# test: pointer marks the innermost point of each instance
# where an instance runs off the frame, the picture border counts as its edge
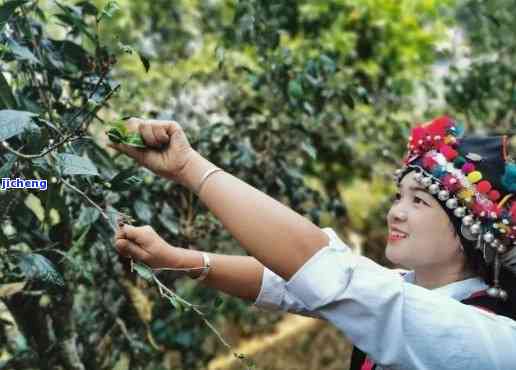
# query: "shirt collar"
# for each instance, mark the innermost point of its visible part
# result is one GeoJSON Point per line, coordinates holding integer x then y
{"type": "Point", "coordinates": [458, 290]}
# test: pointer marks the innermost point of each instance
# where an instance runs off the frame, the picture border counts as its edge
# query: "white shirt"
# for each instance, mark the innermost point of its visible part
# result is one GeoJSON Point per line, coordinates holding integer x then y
{"type": "Point", "coordinates": [399, 325]}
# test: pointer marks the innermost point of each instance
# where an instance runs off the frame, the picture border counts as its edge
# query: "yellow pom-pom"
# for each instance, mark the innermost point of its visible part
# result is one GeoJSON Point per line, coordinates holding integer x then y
{"type": "Point", "coordinates": [465, 195]}
{"type": "Point", "coordinates": [474, 177]}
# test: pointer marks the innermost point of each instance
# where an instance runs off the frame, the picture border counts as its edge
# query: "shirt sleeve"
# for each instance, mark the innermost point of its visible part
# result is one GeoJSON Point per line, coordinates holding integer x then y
{"type": "Point", "coordinates": [399, 325]}
{"type": "Point", "coordinates": [274, 296]}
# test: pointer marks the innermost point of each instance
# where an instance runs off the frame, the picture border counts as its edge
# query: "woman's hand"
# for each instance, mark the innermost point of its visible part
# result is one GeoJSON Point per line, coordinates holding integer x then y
{"type": "Point", "coordinates": [145, 245]}
{"type": "Point", "coordinates": [170, 150]}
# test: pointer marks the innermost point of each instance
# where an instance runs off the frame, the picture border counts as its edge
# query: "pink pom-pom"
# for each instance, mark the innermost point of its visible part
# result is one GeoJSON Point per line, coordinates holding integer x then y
{"type": "Point", "coordinates": [428, 162]}
{"type": "Point", "coordinates": [448, 152]}
{"type": "Point", "coordinates": [494, 195]}
{"type": "Point", "coordinates": [468, 167]}
{"type": "Point", "coordinates": [484, 186]}
{"type": "Point", "coordinates": [451, 183]}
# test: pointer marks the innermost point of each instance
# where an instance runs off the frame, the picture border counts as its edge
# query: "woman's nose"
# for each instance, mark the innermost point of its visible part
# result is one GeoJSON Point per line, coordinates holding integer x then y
{"type": "Point", "coordinates": [396, 213]}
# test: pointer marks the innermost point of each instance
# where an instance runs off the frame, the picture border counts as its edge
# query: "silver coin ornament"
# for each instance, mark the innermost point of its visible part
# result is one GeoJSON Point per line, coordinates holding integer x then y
{"type": "Point", "coordinates": [493, 292]}
{"type": "Point", "coordinates": [434, 189]}
{"type": "Point", "coordinates": [468, 220]}
{"type": "Point", "coordinates": [501, 249]}
{"type": "Point", "coordinates": [460, 212]}
{"type": "Point", "coordinates": [488, 237]}
{"type": "Point", "coordinates": [443, 195]}
{"type": "Point", "coordinates": [426, 181]}
{"type": "Point", "coordinates": [452, 203]}
{"type": "Point", "coordinates": [502, 294]}
{"type": "Point", "coordinates": [476, 229]}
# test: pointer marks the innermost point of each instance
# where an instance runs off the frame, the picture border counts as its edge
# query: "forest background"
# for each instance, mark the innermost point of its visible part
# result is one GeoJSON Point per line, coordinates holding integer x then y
{"type": "Point", "coordinates": [309, 101]}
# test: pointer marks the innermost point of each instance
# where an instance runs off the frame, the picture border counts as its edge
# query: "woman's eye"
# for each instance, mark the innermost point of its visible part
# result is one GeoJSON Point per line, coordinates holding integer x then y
{"type": "Point", "coordinates": [418, 200]}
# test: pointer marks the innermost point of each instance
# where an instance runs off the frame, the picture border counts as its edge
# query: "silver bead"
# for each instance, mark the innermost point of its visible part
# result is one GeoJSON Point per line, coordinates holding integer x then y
{"type": "Point", "coordinates": [476, 229]}
{"type": "Point", "coordinates": [493, 292]}
{"type": "Point", "coordinates": [452, 203]}
{"type": "Point", "coordinates": [501, 249]}
{"type": "Point", "coordinates": [460, 212]}
{"type": "Point", "coordinates": [443, 195]}
{"type": "Point", "coordinates": [488, 237]}
{"type": "Point", "coordinates": [495, 244]}
{"type": "Point", "coordinates": [502, 294]}
{"type": "Point", "coordinates": [426, 182]}
{"type": "Point", "coordinates": [468, 220]}
{"type": "Point", "coordinates": [433, 189]}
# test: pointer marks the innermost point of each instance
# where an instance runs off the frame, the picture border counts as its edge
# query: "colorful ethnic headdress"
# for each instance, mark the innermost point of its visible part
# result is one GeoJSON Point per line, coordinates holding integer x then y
{"type": "Point", "coordinates": [474, 178]}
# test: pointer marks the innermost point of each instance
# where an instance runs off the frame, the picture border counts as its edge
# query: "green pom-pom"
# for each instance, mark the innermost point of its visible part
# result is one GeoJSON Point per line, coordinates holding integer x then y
{"type": "Point", "coordinates": [459, 162]}
{"type": "Point", "coordinates": [509, 178]}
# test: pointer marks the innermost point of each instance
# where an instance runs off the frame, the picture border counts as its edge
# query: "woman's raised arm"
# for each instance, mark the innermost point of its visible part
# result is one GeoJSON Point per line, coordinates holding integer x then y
{"type": "Point", "coordinates": [278, 237]}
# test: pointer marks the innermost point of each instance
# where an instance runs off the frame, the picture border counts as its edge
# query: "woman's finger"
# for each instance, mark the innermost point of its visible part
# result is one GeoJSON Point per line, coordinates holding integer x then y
{"type": "Point", "coordinates": [132, 152]}
{"type": "Point", "coordinates": [131, 250]}
{"type": "Point", "coordinates": [148, 134]}
{"type": "Point", "coordinates": [160, 133]}
{"type": "Point", "coordinates": [137, 234]}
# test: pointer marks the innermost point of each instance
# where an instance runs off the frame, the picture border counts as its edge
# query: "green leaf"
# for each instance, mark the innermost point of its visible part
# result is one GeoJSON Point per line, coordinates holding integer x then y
{"type": "Point", "coordinates": [7, 99]}
{"type": "Point", "coordinates": [37, 267]}
{"type": "Point", "coordinates": [72, 164]}
{"type": "Point", "coordinates": [125, 180]}
{"type": "Point", "coordinates": [5, 170]}
{"type": "Point", "coordinates": [144, 271]}
{"type": "Point", "coordinates": [145, 61]}
{"type": "Point", "coordinates": [22, 52]}
{"type": "Point", "coordinates": [295, 89]}
{"type": "Point", "coordinates": [143, 211]}
{"type": "Point", "coordinates": [88, 216]}
{"type": "Point", "coordinates": [7, 9]}
{"type": "Point", "coordinates": [309, 149]}
{"type": "Point", "coordinates": [13, 122]}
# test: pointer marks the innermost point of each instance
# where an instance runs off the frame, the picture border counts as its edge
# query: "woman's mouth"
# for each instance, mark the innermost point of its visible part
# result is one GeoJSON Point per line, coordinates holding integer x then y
{"type": "Point", "coordinates": [395, 236]}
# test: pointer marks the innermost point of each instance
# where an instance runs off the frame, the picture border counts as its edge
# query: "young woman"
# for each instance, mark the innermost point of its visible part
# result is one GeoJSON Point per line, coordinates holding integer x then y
{"type": "Point", "coordinates": [453, 225]}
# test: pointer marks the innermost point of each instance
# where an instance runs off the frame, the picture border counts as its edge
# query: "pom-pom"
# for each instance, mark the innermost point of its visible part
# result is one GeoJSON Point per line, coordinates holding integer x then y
{"type": "Point", "coordinates": [451, 183]}
{"type": "Point", "coordinates": [468, 167]}
{"type": "Point", "coordinates": [484, 186]}
{"type": "Point", "coordinates": [509, 178]}
{"type": "Point", "coordinates": [439, 171]}
{"type": "Point", "coordinates": [429, 162]}
{"type": "Point", "coordinates": [459, 162]}
{"type": "Point", "coordinates": [448, 152]}
{"type": "Point", "coordinates": [474, 177]}
{"type": "Point", "coordinates": [512, 211]}
{"type": "Point", "coordinates": [417, 134]}
{"type": "Point", "coordinates": [465, 195]}
{"type": "Point", "coordinates": [439, 126]}
{"type": "Point", "coordinates": [494, 195]}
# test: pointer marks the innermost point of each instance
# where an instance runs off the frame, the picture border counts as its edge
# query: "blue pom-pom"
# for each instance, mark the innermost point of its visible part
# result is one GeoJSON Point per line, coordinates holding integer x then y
{"type": "Point", "coordinates": [439, 171]}
{"type": "Point", "coordinates": [509, 178]}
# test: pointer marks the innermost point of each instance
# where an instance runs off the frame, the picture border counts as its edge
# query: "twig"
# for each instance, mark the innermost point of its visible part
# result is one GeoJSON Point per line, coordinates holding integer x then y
{"type": "Point", "coordinates": [87, 198]}
{"type": "Point", "coordinates": [66, 139]}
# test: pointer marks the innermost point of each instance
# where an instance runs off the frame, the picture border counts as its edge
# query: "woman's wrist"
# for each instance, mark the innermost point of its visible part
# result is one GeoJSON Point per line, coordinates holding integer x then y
{"type": "Point", "coordinates": [194, 171]}
{"type": "Point", "coordinates": [191, 259]}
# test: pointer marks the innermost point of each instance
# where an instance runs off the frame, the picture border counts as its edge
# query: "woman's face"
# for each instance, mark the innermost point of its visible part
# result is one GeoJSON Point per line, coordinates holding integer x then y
{"type": "Point", "coordinates": [421, 235]}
